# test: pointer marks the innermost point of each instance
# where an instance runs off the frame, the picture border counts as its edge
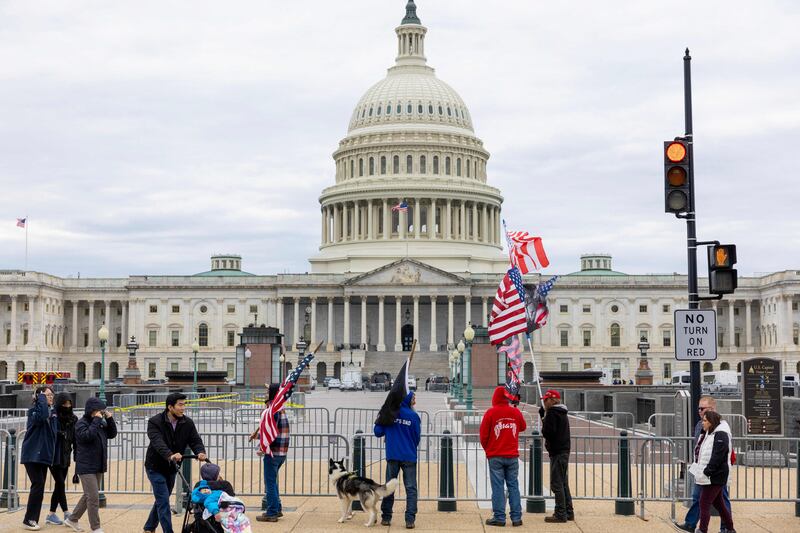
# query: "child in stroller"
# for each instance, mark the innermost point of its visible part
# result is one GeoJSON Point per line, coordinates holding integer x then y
{"type": "Point", "coordinates": [215, 508]}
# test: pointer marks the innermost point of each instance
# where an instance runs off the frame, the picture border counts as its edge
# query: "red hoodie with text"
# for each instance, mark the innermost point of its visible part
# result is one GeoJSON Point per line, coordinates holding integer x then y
{"type": "Point", "coordinates": [501, 427]}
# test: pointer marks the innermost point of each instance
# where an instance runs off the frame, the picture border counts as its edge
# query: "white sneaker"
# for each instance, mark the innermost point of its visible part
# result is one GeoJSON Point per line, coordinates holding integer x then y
{"type": "Point", "coordinates": [71, 524]}
{"type": "Point", "coordinates": [31, 525]}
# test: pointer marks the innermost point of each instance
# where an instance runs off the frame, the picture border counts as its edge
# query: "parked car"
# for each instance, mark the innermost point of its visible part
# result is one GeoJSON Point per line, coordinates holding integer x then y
{"type": "Point", "coordinates": [439, 384]}
{"type": "Point", "coordinates": [334, 383]}
{"type": "Point", "coordinates": [380, 381]}
{"type": "Point", "coordinates": [412, 383]}
{"type": "Point", "coordinates": [352, 380]}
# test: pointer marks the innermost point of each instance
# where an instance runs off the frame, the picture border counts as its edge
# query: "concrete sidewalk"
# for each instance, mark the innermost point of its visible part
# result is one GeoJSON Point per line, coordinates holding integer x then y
{"type": "Point", "coordinates": [126, 514]}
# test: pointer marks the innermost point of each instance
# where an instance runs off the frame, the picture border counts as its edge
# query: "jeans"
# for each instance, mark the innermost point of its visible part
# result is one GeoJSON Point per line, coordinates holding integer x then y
{"type": "Point", "coordinates": [409, 482]}
{"type": "Point", "coordinates": [90, 501]}
{"type": "Point", "coordinates": [559, 485]}
{"type": "Point", "coordinates": [693, 514]}
{"type": "Point", "coordinates": [504, 472]}
{"type": "Point", "coordinates": [37, 473]}
{"type": "Point", "coordinates": [59, 497]}
{"type": "Point", "coordinates": [271, 466]}
{"type": "Point", "coordinates": [712, 494]}
{"type": "Point", "coordinates": [160, 513]}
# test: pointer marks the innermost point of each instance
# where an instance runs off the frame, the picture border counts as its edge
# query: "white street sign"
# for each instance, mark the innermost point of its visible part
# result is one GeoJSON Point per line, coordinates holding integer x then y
{"type": "Point", "coordinates": [695, 335]}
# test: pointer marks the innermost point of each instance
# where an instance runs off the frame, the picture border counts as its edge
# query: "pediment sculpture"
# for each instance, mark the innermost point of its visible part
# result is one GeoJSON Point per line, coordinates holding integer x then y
{"type": "Point", "coordinates": [405, 274]}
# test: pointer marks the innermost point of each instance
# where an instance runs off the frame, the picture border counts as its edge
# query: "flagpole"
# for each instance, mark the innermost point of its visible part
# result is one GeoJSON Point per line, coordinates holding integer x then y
{"type": "Point", "coordinates": [27, 222]}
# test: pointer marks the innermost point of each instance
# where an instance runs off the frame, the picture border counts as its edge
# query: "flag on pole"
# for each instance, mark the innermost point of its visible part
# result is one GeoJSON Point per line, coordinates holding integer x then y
{"type": "Point", "coordinates": [21, 222]}
{"type": "Point", "coordinates": [268, 427]}
{"type": "Point", "coordinates": [538, 313]}
{"type": "Point", "coordinates": [391, 406]}
{"type": "Point", "coordinates": [526, 252]}
{"type": "Point", "coordinates": [513, 353]}
{"type": "Point", "coordinates": [508, 310]}
{"type": "Point", "coordinates": [402, 206]}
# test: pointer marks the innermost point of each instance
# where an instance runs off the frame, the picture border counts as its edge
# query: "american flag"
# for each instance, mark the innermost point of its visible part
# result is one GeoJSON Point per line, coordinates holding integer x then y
{"type": "Point", "coordinates": [268, 429]}
{"type": "Point", "coordinates": [21, 222]}
{"type": "Point", "coordinates": [526, 252]}
{"type": "Point", "coordinates": [540, 313]}
{"type": "Point", "coordinates": [402, 206]}
{"type": "Point", "coordinates": [513, 352]}
{"type": "Point", "coordinates": [508, 311]}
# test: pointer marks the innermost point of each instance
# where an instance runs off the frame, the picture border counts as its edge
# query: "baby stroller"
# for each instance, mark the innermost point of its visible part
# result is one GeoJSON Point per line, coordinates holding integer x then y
{"type": "Point", "coordinates": [195, 522]}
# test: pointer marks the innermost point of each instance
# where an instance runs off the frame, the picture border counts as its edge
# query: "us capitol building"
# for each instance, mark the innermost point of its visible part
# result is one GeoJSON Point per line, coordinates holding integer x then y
{"type": "Point", "coordinates": [383, 277]}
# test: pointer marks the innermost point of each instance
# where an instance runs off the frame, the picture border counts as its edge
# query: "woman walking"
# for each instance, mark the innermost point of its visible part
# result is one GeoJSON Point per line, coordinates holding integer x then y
{"type": "Point", "coordinates": [92, 432]}
{"type": "Point", "coordinates": [38, 450]}
{"type": "Point", "coordinates": [65, 445]}
{"type": "Point", "coordinates": [711, 469]}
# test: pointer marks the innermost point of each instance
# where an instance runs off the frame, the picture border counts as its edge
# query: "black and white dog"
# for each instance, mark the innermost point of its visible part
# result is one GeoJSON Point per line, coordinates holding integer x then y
{"type": "Point", "coordinates": [350, 487]}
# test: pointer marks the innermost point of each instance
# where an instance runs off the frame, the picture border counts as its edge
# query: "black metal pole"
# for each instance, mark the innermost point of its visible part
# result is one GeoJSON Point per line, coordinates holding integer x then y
{"type": "Point", "coordinates": [691, 235]}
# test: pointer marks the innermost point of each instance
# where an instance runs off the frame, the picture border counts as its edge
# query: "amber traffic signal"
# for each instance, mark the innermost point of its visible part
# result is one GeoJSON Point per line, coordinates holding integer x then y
{"type": "Point", "coordinates": [676, 177]}
{"type": "Point", "coordinates": [722, 277]}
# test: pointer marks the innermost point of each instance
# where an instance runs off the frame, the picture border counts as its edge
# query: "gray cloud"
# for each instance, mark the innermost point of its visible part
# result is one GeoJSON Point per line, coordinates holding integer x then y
{"type": "Point", "coordinates": [142, 137]}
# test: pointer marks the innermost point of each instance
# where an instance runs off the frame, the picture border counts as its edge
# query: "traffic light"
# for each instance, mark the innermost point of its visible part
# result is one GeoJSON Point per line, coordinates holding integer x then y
{"type": "Point", "coordinates": [676, 177]}
{"type": "Point", "coordinates": [721, 274]}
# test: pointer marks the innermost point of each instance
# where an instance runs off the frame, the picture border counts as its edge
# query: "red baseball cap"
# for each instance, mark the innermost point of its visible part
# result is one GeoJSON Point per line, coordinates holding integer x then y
{"type": "Point", "coordinates": [551, 394]}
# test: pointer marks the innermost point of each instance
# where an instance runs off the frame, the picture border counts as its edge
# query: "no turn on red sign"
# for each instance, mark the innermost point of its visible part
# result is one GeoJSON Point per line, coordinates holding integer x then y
{"type": "Point", "coordinates": [695, 335]}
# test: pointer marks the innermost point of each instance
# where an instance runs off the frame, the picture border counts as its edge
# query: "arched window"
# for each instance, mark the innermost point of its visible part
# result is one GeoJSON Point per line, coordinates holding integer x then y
{"type": "Point", "coordinates": [396, 165]}
{"type": "Point", "coordinates": [360, 167]}
{"type": "Point", "coordinates": [322, 370]}
{"type": "Point", "coordinates": [440, 110]}
{"type": "Point", "coordinates": [370, 111]}
{"type": "Point", "coordinates": [399, 109]}
{"type": "Point", "coordinates": [725, 366]}
{"type": "Point", "coordinates": [202, 335]}
{"type": "Point", "coordinates": [96, 370]}
{"type": "Point", "coordinates": [378, 111]}
{"type": "Point", "coordinates": [458, 166]}
{"type": "Point", "coordinates": [20, 366]}
{"type": "Point", "coordinates": [409, 164]}
{"type": "Point", "coordinates": [422, 164]}
{"type": "Point", "coordinates": [708, 367]}
{"type": "Point", "coordinates": [371, 166]}
{"type": "Point", "coordinates": [468, 165]}
{"type": "Point", "coordinates": [447, 165]}
{"type": "Point", "coordinates": [3, 370]}
{"type": "Point", "coordinates": [436, 164]}
{"type": "Point", "coordinates": [383, 164]}
{"type": "Point", "coordinates": [430, 109]}
{"type": "Point", "coordinates": [352, 168]}
{"type": "Point", "coordinates": [81, 371]}
{"type": "Point", "coordinates": [409, 108]}
{"type": "Point", "coordinates": [449, 114]}
{"type": "Point", "coordinates": [475, 168]}
{"type": "Point", "coordinates": [419, 109]}
{"type": "Point", "coordinates": [389, 109]}
{"type": "Point", "coordinates": [615, 334]}
{"type": "Point", "coordinates": [113, 370]}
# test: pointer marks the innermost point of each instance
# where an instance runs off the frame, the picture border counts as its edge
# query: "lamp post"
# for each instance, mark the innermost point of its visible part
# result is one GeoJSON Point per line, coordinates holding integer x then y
{"type": "Point", "coordinates": [469, 334]}
{"type": "Point", "coordinates": [282, 359]}
{"type": "Point", "coordinates": [460, 347]}
{"type": "Point", "coordinates": [102, 334]}
{"type": "Point", "coordinates": [643, 374]}
{"type": "Point", "coordinates": [195, 349]}
{"type": "Point", "coordinates": [132, 374]}
{"type": "Point", "coordinates": [451, 364]}
{"type": "Point", "coordinates": [247, 355]}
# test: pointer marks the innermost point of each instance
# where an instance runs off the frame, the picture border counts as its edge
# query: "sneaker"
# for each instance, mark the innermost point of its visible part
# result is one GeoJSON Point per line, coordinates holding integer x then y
{"type": "Point", "coordinates": [31, 525]}
{"type": "Point", "coordinates": [53, 519]}
{"type": "Point", "coordinates": [495, 522]}
{"type": "Point", "coordinates": [555, 519]}
{"type": "Point", "coordinates": [516, 523]}
{"type": "Point", "coordinates": [67, 515]}
{"type": "Point", "coordinates": [280, 514]}
{"type": "Point", "coordinates": [571, 517]}
{"type": "Point", "coordinates": [73, 525]}
{"type": "Point", "coordinates": [385, 522]}
{"type": "Point", "coordinates": [684, 527]}
{"type": "Point", "coordinates": [266, 518]}
{"type": "Point", "coordinates": [410, 525]}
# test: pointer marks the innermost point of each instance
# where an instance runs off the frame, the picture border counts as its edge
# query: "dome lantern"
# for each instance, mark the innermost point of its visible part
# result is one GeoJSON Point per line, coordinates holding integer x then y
{"type": "Point", "coordinates": [411, 14]}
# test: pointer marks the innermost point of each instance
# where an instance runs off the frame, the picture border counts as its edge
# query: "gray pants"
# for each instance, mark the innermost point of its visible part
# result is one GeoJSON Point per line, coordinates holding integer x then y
{"type": "Point", "coordinates": [89, 501]}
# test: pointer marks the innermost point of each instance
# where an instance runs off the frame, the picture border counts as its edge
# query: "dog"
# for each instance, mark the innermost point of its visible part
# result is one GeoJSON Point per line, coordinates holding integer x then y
{"type": "Point", "coordinates": [350, 487]}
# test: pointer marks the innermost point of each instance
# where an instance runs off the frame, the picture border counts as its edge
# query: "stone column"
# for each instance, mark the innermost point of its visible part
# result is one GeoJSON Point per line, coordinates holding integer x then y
{"type": "Point", "coordinates": [386, 229]}
{"type": "Point", "coordinates": [370, 220]}
{"type": "Point", "coordinates": [356, 221]}
{"type": "Point", "coordinates": [123, 327]}
{"type": "Point", "coordinates": [484, 223]}
{"type": "Point", "coordinates": [346, 332]}
{"type": "Point", "coordinates": [448, 221]}
{"type": "Point", "coordinates": [402, 221]}
{"type": "Point", "coordinates": [416, 317]}
{"type": "Point", "coordinates": [364, 321]}
{"type": "Point", "coordinates": [748, 324]}
{"type": "Point", "coordinates": [474, 221]}
{"type": "Point", "coordinates": [731, 325]}
{"type": "Point", "coordinates": [431, 222]}
{"type": "Point", "coordinates": [490, 235]}
{"type": "Point", "coordinates": [324, 235]}
{"type": "Point", "coordinates": [434, 346]}
{"type": "Point", "coordinates": [296, 323]}
{"type": "Point", "coordinates": [331, 341]}
{"type": "Point", "coordinates": [417, 220]}
{"type": "Point", "coordinates": [313, 338]}
{"type": "Point", "coordinates": [450, 320]}
{"type": "Point", "coordinates": [788, 337]}
{"type": "Point", "coordinates": [398, 302]}
{"type": "Point", "coordinates": [381, 325]}
{"type": "Point", "coordinates": [467, 310]}
{"type": "Point", "coordinates": [279, 315]}
{"type": "Point", "coordinates": [485, 310]}
{"type": "Point", "coordinates": [74, 324]}
{"type": "Point", "coordinates": [91, 327]}
{"type": "Point", "coordinates": [108, 321]}
{"type": "Point", "coordinates": [14, 324]}
{"type": "Point", "coordinates": [462, 222]}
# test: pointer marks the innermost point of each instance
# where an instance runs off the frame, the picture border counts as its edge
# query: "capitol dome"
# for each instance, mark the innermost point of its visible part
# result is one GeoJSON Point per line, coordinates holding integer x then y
{"type": "Point", "coordinates": [410, 176]}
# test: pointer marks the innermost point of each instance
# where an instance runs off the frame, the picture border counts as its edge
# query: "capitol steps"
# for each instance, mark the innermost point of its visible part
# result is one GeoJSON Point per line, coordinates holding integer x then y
{"type": "Point", "coordinates": [424, 363]}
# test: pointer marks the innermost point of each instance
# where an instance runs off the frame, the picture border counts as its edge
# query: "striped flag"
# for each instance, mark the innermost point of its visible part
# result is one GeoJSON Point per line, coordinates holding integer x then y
{"type": "Point", "coordinates": [268, 428]}
{"type": "Point", "coordinates": [21, 222]}
{"type": "Point", "coordinates": [508, 310]}
{"type": "Point", "coordinates": [402, 206]}
{"type": "Point", "coordinates": [513, 353]}
{"type": "Point", "coordinates": [526, 252]}
{"type": "Point", "coordinates": [538, 312]}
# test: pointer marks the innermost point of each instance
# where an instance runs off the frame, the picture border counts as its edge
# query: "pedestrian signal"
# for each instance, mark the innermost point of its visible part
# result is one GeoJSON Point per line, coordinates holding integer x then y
{"type": "Point", "coordinates": [676, 177]}
{"type": "Point", "coordinates": [722, 277]}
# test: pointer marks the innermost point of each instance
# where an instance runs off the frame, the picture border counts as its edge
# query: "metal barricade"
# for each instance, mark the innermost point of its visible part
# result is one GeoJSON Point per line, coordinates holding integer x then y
{"type": "Point", "coordinates": [13, 418]}
{"type": "Point", "coordinates": [346, 420]}
{"type": "Point", "coordinates": [157, 399]}
{"type": "Point", "coordinates": [601, 422]}
{"type": "Point", "coordinates": [464, 421]}
{"type": "Point", "coordinates": [301, 419]}
{"type": "Point", "coordinates": [206, 419]}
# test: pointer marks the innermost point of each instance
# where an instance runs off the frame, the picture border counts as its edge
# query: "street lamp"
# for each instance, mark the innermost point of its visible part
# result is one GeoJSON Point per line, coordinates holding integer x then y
{"type": "Point", "coordinates": [454, 373]}
{"type": "Point", "coordinates": [195, 349]}
{"type": "Point", "coordinates": [247, 355]}
{"type": "Point", "coordinates": [282, 359]}
{"type": "Point", "coordinates": [460, 347]}
{"type": "Point", "coordinates": [102, 334]}
{"type": "Point", "coordinates": [469, 334]}
{"type": "Point", "coordinates": [132, 374]}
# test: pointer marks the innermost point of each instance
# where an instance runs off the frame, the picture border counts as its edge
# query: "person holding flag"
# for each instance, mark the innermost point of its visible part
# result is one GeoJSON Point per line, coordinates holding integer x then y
{"type": "Point", "coordinates": [273, 437]}
{"type": "Point", "coordinates": [400, 424]}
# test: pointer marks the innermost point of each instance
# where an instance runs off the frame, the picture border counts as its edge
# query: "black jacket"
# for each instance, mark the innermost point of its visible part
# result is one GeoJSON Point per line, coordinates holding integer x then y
{"type": "Point", "coordinates": [717, 469]}
{"type": "Point", "coordinates": [555, 429]}
{"type": "Point", "coordinates": [165, 441]}
{"type": "Point", "coordinates": [65, 435]}
{"type": "Point", "coordinates": [91, 439]}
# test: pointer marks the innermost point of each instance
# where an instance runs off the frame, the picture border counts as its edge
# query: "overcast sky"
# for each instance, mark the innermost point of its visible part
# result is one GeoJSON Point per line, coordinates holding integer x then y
{"type": "Point", "coordinates": [141, 137]}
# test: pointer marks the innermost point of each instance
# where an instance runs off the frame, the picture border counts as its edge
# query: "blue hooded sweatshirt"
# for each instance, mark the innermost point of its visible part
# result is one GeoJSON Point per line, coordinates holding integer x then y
{"type": "Point", "coordinates": [402, 437]}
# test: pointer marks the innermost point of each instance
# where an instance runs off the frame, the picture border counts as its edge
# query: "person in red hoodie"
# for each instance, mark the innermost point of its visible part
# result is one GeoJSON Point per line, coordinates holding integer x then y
{"type": "Point", "coordinates": [500, 430]}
